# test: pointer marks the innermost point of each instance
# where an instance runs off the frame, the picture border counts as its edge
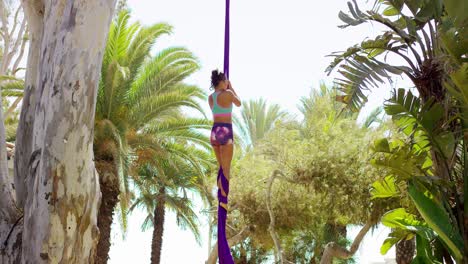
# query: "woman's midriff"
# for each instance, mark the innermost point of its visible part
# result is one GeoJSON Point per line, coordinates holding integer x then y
{"type": "Point", "coordinates": [222, 119]}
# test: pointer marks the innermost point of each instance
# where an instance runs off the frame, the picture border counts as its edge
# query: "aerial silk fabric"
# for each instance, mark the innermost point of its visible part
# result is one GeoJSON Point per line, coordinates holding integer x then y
{"type": "Point", "coordinates": [226, 41]}
{"type": "Point", "coordinates": [224, 251]}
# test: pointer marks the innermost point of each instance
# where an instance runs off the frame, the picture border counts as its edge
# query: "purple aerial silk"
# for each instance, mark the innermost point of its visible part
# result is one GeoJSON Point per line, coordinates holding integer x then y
{"type": "Point", "coordinates": [226, 41]}
{"type": "Point", "coordinates": [224, 251]}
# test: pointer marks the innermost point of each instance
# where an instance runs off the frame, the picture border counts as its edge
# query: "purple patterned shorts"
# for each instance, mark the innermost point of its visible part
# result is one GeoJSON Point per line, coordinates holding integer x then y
{"type": "Point", "coordinates": [221, 134]}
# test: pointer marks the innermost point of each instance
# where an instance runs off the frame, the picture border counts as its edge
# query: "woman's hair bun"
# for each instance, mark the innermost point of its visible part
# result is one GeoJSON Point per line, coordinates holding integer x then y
{"type": "Point", "coordinates": [216, 77]}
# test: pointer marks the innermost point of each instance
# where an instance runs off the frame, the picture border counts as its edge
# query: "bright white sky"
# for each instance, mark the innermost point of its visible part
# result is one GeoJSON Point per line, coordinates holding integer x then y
{"type": "Point", "coordinates": [278, 51]}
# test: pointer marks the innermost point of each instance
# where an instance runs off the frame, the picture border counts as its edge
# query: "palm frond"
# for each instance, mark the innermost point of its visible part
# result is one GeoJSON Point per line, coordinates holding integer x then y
{"type": "Point", "coordinates": [243, 139]}
{"type": "Point", "coordinates": [187, 153]}
{"type": "Point", "coordinates": [185, 216]}
{"type": "Point", "coordinates": [159, 75]}
{"type": "Point", "coordinates": [177, 124]}
{"type": "Point", "coordinates": [359, 75]}
{"type": "Point", "coordinates": [185, 129]}
{"type": "Point", "coordinates": [257, 119]}
{"type": "Point", "coordinates": [373, 117]}
{"type": "Point", "coordinates": [11, 86]}
{"type": "Point", "coordinates": [141, 45]}
{"type": "Point", "coordinates": [151, 107]}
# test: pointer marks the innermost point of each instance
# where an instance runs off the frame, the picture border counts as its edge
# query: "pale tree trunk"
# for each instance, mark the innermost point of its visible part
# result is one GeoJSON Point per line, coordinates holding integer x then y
{"type": "Point", "coordinates": [57, 184]}
{"type": "Point", "coordinates": [333, 250]}
{"type": "Point", "coordinates": [241, 236]}
{"type": "Point", "coordinates": [34, 12]}
{"type": "Point", "coordinates": [9, 213]}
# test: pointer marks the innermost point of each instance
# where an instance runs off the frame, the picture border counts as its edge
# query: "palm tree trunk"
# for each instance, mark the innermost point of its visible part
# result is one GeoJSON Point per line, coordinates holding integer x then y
{"type": "Point", "coordinates": [158, 223]}
{"type": "Point", "coordinates": [109, 183]}
{"type": "Point", "coordinates": [405, 251]}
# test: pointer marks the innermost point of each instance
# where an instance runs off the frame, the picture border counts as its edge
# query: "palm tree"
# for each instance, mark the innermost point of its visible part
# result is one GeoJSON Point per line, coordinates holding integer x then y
{"type": "Point", "coordinates": [136, 92]}
{"type": "Point", "coordinates": [318, 103]}
{"type": "Point", "coordinates": [374, 117]}
{"type": "Point", "coordinates": [257, 119]}
{"type": "Point", "coordinates": [321, 110]}
{"type": "Point", "coordinates": [164, 184]}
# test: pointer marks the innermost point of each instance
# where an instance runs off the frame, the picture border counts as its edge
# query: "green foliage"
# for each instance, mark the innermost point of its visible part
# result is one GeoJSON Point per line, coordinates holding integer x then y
{"type": "Point", "coordinates": [400, 219]}
{"type": "Point", "coordinates": [385, 188]}
{"type": "Point", "coordinates": [437, 218]}
{"type": "Point", "coordinates": [374, 117]}
{"type": "Point", "coordinates": [249, 252]}
{"type": "Point", "coordinates": [402, 160]}
{"type": "Point", "coordinates": [328, 177]}
{"type": "Point", "coordinates": [407, 161]}
{"type": "Point", "coordinates": [424, 252]}
{"type": "Point", "coordinates": [421, 122]}
{"type": "Point", "coordinates": [11, 86]}
{"type": "Point", "coordinates": [394, 237]}
{"type": "Point", "coordinates": [257, 119]}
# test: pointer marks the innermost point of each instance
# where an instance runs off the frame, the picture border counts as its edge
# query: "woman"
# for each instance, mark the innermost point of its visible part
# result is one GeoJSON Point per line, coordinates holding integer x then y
{"type": "Point", "coordinates": [222, 137]}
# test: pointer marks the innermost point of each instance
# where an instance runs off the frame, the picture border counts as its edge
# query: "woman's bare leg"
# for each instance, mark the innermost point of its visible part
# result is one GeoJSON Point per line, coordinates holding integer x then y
{"type": "Point", "coordinates": [217, 151]}
{"type": "Point", "coordinates": [226, 158]}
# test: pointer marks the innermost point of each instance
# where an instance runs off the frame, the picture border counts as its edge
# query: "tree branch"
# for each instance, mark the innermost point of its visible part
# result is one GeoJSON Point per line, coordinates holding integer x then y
{"type": "Point", "coordinates": [6, 38]}
{"type": "Point", "coordinates": [20, 55]}
{"type": "Point", "coordinates": [333, 250]}
{"type": "Point", "coordinates": [19, 38]}
{"type": "Point", "coordinates": [15, 21]}
{"type": "Point", "coordinates": [271, 228]}
{"type": "Point", "coordinates": [3, 15]}
{"type": "Point", "coordinates": [12, 107]}
{"type": "Point", "coordinates": [279, 251]}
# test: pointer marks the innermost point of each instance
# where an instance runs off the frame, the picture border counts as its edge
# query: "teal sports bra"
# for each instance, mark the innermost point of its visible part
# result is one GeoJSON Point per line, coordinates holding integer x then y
{"type": "Point", "coordinates": [219, 110]}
